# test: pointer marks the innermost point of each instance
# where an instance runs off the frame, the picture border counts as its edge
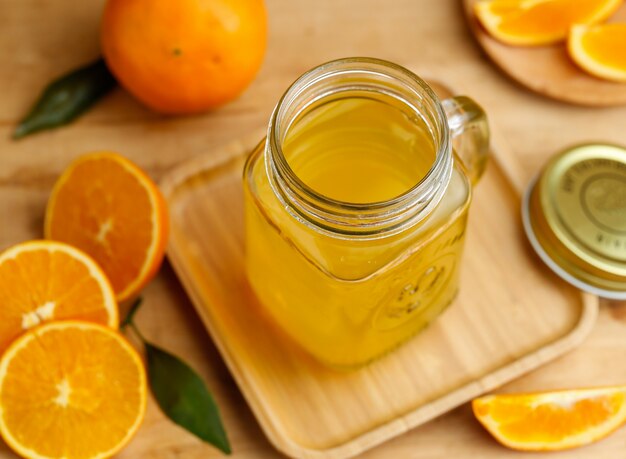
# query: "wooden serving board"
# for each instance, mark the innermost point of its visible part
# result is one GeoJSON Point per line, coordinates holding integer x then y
{"type": "Point", "coordinates": [511, 316]}
{"type": "Point", "coordinates": [549, 70]}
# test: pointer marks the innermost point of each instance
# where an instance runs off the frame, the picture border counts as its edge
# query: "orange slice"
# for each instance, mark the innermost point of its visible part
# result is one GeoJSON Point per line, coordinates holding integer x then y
{"type": "Point", "coordinates": [600, 50]}
{"type": "Point", "coordinates": [44, 280]}
{"type": "Point", "coordinates": [108, 207]}
{"type": "Point", "coordinates": [551, 421]}
{"type": "Point", "coordinates": [73, 390]}
{"type": "Point", "coordinates": [539, 22]}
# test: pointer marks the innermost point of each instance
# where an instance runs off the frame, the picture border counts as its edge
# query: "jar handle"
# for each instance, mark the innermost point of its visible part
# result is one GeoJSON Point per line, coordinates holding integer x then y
{"type": "Point", "coordinates": [470, 134]}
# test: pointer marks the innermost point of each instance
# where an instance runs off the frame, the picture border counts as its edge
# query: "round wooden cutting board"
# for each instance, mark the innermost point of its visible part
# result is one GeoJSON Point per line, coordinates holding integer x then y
{"type": "Point", "coordinates": [549, 70]}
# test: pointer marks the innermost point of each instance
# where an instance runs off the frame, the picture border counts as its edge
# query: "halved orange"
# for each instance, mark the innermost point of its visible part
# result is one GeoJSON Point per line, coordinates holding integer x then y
{"type": "Point", "coordinates": [108, 207]}
{"type": "Point", "coordinates": [73, 390]}
{"type": "Point", "coordinates": [539, 22]}
{"type": "Point", "coordinates": [551, 421]}
{"type": "Point", "coordinates": [600, 50]}
{"type": "Point", "coordinates": [42, 281]}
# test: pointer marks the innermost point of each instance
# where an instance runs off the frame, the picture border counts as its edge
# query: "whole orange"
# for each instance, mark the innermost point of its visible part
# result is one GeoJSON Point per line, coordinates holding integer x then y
{"type": "Point", "coordinates": [184, 56]}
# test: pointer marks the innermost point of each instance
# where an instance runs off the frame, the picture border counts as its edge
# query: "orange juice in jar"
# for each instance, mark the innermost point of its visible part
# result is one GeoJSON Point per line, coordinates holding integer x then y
{"type": "Point", "coordinates": [356, 207]}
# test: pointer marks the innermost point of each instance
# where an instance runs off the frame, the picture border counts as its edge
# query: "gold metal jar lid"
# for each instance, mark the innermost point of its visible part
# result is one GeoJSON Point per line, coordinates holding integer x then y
{"type": "Point", "coordinates": [574, 215]}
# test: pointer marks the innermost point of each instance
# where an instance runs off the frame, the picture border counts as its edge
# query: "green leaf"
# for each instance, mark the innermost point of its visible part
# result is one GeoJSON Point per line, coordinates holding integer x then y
{"type": "Point", "coordinates": [67, 97]}
{"type": "Point", "coordinates": [184, 398]}
{"type": "Point", "coordinates": [179, 391]}
{"type": "Point", "coordinates": [131, 314]}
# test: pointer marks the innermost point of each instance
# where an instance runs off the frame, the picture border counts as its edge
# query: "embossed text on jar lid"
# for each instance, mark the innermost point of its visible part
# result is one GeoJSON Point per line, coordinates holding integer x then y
{"type": "Point", "coordinates": [574, 215]}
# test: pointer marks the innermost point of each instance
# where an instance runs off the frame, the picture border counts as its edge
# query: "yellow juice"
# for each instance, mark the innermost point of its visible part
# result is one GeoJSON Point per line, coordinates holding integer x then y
{"type": "Point", "coordinates": [349, 300]}
{"type": "Point", "coordinates": [359, 150]}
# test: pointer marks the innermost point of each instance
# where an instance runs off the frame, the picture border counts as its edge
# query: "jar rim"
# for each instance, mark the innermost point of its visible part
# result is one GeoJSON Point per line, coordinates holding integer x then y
{"type": "Point", "coordinates": [389, 211]}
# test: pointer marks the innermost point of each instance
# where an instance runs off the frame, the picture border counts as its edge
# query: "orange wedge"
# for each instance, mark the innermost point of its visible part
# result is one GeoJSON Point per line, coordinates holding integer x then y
{"type": "Point", "coordinates": [42, 281]}
{"type": "Point", "coordinates": [109, 208]}
{"type": "Point", "coordinates": [539, 22]}
{"type": "Point", "coordinates": [552, 421]}
{"type": "Point", "coordinates": [72, 390]}
{"type": "Point", "coordinates": [600, 50]}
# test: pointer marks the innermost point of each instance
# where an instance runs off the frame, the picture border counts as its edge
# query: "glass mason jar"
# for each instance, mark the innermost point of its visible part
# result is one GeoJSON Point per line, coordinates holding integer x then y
{"type": "Point", "coordinates": [356, 207]}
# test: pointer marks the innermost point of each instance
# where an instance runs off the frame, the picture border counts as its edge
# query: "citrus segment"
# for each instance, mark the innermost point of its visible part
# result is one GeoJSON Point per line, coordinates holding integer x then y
{"type": "Point", "coordinates": [552, 420]}
{"type": "Point", "coordinates": [70, 389]}
{"type": "Point", "coordinates": [600, 50]}
{"type": "Point", "coordinates": [42, 281]}
{"type": "Point", "coordinates": [539, 22]}
{"type": "Point", "coordinates": [109, 208]}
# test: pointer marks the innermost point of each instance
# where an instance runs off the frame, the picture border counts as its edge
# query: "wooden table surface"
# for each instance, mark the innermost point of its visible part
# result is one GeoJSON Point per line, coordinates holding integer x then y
{"type": "Point", "coordinates": [41, 39]}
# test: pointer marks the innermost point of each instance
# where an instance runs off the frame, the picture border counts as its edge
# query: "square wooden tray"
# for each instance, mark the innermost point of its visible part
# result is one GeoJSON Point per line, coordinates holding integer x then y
{"type": "Point", "coordinates": [511, 316]}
